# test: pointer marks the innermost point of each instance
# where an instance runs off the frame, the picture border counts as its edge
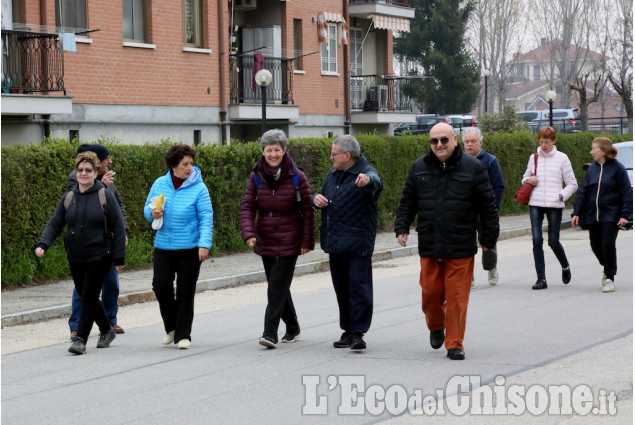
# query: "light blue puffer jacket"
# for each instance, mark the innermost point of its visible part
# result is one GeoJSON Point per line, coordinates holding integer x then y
{"type": "Point", "coordinates": [188, 216]}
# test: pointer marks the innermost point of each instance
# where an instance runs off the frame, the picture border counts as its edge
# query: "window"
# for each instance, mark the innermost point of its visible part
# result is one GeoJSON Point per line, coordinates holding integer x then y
{"type": "Point", "coordinates": [356, 50]}
{"type": "Point", "coordinates": [297, 43]}
{"type": "Point", "coordinates": [192, 23]}
{"type": "Point", "coordinates": [536, 72]}
{"type": "Point", "coordinates": [134, 20]}
{"type": "Point", "coordinates": [71, 14]}
{"type": "Point", "coordinates": [328, 50]}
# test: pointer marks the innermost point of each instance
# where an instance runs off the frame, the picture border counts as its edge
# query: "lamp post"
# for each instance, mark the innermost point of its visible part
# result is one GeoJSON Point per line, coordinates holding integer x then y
{"type": "Point", "coordinates": [485, 75]}
{"type": "Point", "coordinates": [263, 79]}
{"type": "Point", "coordinates": [550, 96]}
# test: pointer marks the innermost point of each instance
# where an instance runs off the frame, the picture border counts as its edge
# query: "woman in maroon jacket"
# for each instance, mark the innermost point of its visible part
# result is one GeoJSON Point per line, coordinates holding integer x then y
{"type": "Point", "coordinates": [281, 196]}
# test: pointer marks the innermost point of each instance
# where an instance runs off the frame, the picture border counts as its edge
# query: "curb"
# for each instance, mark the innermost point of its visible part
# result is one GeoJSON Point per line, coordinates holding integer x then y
{"type": "Point", "coordinates": [54, 312]}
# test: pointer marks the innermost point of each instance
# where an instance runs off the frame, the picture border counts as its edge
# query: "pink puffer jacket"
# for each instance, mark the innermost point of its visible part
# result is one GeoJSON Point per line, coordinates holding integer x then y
{"type": "Point", "coordinates": [554, 169]}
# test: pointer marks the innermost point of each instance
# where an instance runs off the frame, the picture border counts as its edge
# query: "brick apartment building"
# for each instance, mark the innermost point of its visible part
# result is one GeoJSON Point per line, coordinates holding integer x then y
{"type": "Point", "coordinates": [145, 70]}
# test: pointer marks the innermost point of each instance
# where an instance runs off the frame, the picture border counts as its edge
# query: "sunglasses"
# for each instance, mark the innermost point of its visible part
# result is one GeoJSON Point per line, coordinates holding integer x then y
{"type": "Point", "coordinates": [443, 140]}
{"type": "Point", "coordinates": [84, 170]}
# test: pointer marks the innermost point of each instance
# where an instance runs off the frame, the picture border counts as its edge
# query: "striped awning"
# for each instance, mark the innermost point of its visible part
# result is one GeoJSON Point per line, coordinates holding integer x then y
{"type": "Point", "coordinates": [333, 17]}
{"type": "Point", "coordinates": [390, 23]}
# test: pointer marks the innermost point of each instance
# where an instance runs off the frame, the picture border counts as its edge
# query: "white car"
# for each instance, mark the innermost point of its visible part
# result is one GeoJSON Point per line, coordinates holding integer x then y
{"type": "Point", "coordinates": [459, 122]}
{"type": "Point", "coordinates": [625, 156]}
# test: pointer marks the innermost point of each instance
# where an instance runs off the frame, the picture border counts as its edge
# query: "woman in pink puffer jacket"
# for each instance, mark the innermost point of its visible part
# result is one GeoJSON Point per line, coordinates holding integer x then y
{"type": "Point", "coordinates": [547, 199]}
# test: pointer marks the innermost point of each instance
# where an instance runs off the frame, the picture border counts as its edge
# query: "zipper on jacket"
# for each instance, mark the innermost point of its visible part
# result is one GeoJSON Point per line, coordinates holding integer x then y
{"type": "Point", "coordinates": [597, 195]}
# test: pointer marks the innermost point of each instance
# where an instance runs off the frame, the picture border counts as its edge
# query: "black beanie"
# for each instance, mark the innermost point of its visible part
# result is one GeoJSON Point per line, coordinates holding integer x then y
{"type": "Point", "coordinates": [101, 151]}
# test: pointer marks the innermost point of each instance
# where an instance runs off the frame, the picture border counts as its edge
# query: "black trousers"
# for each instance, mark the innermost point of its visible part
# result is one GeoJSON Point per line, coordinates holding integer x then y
{"type": "Point", "coordinates": [88, 279]}
{"type": "Point", "coordinates": [279, 273]}
{"type": "Point", "coordinates": [177, 311]}
{"type": "Point", "coordinates": [353, 283]}
{"type": "Point", "coordinates": [602, 236]}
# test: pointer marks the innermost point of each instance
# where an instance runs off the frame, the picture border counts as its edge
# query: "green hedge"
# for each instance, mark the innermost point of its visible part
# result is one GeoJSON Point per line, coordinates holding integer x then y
{"type": "Point", "coordinates": [34, 179]}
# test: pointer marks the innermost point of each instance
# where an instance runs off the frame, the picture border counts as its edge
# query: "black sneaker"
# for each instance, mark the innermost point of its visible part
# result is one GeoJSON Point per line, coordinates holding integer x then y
{"type": "Point", "coordinates": [566, 275]}
{"type": "Point", "coordinates": [106, 338]}
{"type": "Point", "coordinates": [357, 342]}
{"type": "Point", "coordinates": [344, 342]}
{"type": "Point", "coordinates": [268, 341]}
{"type": "Point", "coordinates": [437, 338]}
{"type": "Point", "coordinates": [78, 346]}
{"type": "Point", "coordinates": [540, 284]}
{"type": "Point", "coordinates": [291, 337]}
{"type": "Point", "coordinates": [456, 354]}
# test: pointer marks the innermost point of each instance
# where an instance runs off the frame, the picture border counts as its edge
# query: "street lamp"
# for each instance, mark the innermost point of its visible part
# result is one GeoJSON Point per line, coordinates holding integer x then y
{"type": "Point", "coordinates": [485, 75]}
{"type": "Point", "coordinates": [263, 79]}
{"type": "Point", "coordinates": [550, 96]}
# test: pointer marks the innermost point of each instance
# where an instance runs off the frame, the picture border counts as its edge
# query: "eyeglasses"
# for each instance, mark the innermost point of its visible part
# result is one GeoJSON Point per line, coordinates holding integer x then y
{"type": "Point", "coordinates": [443, 140]}
{"type": "Point", "coordinates": [84, 170]}
{"type": "Point", "coordinates": [338, 153]}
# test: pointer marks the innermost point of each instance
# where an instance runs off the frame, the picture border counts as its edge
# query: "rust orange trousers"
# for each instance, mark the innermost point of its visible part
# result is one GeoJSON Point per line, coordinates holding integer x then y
{"type": "Point", "coordinates": [445, 292]}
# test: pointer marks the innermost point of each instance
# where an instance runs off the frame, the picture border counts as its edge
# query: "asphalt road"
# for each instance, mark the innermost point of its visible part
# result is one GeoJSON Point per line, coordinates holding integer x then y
{"type": "Point", "coordinates": [567, 335]}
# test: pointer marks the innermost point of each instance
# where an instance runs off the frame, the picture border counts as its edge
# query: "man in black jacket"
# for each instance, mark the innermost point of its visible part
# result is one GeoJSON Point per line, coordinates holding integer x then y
{"type": "Point", "coordinates": [348, 199]}
{"type": "Point", "coordinates": [110, 288]}
{"type": "Point", "coordinates": [448, 190]}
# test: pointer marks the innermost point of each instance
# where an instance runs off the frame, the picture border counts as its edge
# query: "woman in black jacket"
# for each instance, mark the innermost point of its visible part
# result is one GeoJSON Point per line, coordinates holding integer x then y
{"type": "Point", "coordinates": [604, 204]}
{"type": "Point", "coordinates": [95, 239]}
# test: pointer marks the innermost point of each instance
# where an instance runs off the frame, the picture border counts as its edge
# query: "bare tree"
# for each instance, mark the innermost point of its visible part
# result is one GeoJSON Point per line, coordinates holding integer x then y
{"type": "Point", "coordinates": [563, 29]}
{"type": "Point", "coordinates": [590, 82]}
{"type": "Point", "coordinates": [621, 55]}
{"type": "Point", "coordinates": [493, 36]}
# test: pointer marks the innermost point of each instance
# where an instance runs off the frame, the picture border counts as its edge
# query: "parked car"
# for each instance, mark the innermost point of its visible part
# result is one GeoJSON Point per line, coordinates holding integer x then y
{"type": "Point", "coordinates": [529, 116]}
{"type": "Point", "coordinates": [459, 122]}
{"type": "Point", "coordinates": [404, 127]}
{"type": "Point", "coordinates": [564, 120]}
{"type": "Point", "coordinates": [424, 124]}
{"type": "Point", "coordinates": [625, 156]}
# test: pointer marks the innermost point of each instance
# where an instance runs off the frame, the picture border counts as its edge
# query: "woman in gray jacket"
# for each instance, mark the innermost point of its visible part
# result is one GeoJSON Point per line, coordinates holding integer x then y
{"type": "Point", "coordinates": [95, 239]}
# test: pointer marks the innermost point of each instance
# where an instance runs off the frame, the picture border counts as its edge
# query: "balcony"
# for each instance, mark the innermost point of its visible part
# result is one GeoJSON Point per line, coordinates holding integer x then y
{"type": "Point", "coordinates": [32, 63]}
{"type": "Point", "coordinates": [246, 97]}
{"type": "Point", "coordinates": [380, 93]}
{"type": "Point", "coordinates": [391, 8]}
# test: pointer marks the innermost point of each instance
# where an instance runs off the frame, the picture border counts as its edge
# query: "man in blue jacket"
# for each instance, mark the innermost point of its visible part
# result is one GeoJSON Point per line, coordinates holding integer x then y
{"type": "Point", "coordinates": [473, 143]}
{"type": "Point", "coordinates": [348, 199]}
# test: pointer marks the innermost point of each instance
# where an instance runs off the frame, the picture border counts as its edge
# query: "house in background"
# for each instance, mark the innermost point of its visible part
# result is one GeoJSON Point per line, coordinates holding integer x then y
{"type": "Point", "coordinates": [526, 88]}
{"type": "Point", "coordinates": [145, 70]}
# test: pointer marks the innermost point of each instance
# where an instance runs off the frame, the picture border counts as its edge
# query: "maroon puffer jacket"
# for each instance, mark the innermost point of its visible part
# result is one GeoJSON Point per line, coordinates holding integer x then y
{"type": "Point", "coordinates": [279, 230]}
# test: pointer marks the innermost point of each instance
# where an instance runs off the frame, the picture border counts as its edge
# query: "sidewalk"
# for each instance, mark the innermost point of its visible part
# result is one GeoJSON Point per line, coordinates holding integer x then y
{"type": "Point", "coordinates": [30, 304]}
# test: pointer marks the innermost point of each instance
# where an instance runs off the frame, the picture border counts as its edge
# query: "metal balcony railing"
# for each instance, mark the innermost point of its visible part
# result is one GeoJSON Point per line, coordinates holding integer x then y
{"type": "Point", "coordinates": [243, 89]}
{"type": "Point", "coordinates": [380, 93]}
{"type": "Point", "coordinates": [31, 62]}
{"type": "Point", "coordinates": [402, 3]}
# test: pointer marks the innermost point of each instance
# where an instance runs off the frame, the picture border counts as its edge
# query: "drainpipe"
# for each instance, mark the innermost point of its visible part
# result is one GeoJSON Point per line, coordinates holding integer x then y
{"type": "Point", "coordinates": [223, 66]}
{"type": "Point", "coordinates": [347, 73]}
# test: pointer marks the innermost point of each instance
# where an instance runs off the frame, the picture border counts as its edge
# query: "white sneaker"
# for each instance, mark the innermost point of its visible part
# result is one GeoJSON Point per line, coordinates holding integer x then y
{"type": "Point", "coordinates": [609, 286]}
{"type": "Point", "coordinates": [492, 276]}
{"type": "Point", "coordinates": [184, 344]}
{"type": "Point", "coordinates": [603, 279]}
{"type": "Point", "coordinates": [473, 282]}
{"type": "Point", "coordinates": [168, 338]}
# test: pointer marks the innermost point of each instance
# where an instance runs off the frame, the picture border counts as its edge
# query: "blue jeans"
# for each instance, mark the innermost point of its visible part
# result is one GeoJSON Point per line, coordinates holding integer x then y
{"type": "Point", "coordinates": [109, 295]}
{"type": "Point", "coordinates": [554, 218]}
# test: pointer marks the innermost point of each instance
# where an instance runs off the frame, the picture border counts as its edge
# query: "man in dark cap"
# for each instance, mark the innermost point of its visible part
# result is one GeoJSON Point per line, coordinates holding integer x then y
{"type": "Point", "coordinates": [110, 287]}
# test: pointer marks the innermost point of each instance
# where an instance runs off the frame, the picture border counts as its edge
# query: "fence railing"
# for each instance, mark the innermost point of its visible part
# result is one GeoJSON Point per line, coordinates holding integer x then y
{"type": "Point", "coordinates": [379, 93]}
{"type": "Point", "coordinates": [31, 62]}
{"type": "Point", "coordinates": [243, 88]}
{"type": "Point", "coordinates": [612, 125]}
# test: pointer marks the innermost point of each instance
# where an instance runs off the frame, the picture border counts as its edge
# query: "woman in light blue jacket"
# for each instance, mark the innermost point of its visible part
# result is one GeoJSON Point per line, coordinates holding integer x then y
{"type": "Point", "coordinates": [182, 242]}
